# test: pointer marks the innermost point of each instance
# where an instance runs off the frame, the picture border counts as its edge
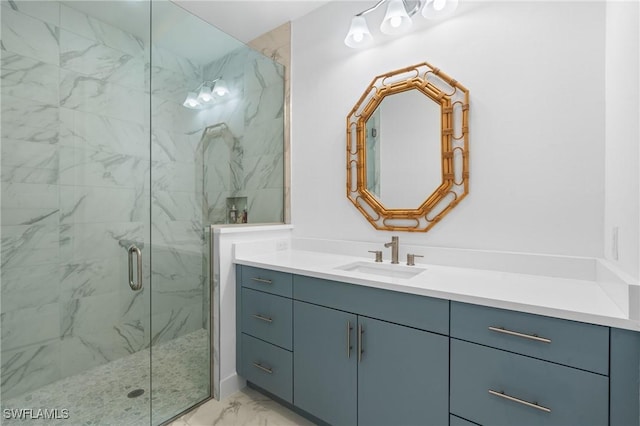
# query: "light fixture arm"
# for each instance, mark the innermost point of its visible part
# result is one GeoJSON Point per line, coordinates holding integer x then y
{"type": "Point", "coordinates": [416, 7]}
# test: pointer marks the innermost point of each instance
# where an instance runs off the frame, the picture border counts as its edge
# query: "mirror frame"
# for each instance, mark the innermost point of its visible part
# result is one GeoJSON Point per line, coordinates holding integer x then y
{"type": "Point", "coordinates": [453, 99]}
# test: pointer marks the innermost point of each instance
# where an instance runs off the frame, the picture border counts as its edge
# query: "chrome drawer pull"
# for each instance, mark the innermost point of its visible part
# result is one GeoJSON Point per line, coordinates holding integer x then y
{"type": "Point", "coordinates": [261, 280]}
{"type": "Point", "coordinates": [515, 333]}
{"type": "Point", "coordinates": [262, 318]}
{"type": "Point", "coordinates": [520, 401]}
{"type": "Point", "coordinates": [263, 368]}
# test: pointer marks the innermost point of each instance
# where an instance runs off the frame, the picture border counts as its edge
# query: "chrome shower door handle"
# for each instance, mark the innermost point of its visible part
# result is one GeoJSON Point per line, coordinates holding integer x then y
{"type": "Point", "coordinates": [135, 286]}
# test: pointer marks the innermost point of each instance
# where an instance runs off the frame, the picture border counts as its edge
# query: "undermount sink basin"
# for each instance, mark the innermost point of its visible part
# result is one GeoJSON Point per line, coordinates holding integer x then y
{"type": "Point", "coordinates": [383, 269]}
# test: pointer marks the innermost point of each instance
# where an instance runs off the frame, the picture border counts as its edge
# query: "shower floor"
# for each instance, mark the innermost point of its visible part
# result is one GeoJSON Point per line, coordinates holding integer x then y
{"type": "Point", "coordinates": [99, 396]}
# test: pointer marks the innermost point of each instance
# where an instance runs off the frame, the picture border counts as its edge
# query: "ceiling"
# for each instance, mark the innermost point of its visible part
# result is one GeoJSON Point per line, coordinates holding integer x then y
{"type": "Point", "coordinates": [248, 19]}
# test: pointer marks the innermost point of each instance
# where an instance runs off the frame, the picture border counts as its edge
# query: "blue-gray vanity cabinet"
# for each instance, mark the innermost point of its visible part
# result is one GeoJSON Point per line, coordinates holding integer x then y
{"type": "Point", "coordinates": [357, 370]}
{"type": "Point", "coordinates": [267, 317]}
{"type": "Point", "coordinates": [268, 366]}
{"type": "Point", "coordinates": [576, 344]}
{"type": "Point", "coordinates": [624, 376]}
{"type": "Point", "coordinates": [266, 280]}
{"type": "Point", "coordinates": [324, 361]}
{"type": "Point", "coordinates": [495, 387]}
{"type": "Point", "coordinates": [403, 375]}
{"type": "Point", "coordinates": [264, 330]}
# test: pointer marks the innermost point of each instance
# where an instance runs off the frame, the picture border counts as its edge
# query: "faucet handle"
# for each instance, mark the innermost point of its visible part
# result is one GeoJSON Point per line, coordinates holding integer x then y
{"type": "Point", "coordinates": [411, 259]}
{"type": "Point", "coordinates": [378, 254]}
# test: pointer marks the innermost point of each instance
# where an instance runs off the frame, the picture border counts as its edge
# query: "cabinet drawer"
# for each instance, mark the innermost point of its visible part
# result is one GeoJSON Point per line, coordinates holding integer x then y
{"type": "Point", "coordinates": [267, 317]}
{"type": "Point", "coordinates": [420, 312]}
{"type": "Point", "coordinates": [268, 366]}
{"type": "Point", "coordinates": [571, 343]}
{"type": "Point", "coordinates": [574, 397]}
{"type": "Point", "coordinates": [457, 421]}
{"type": "Point", "coordinates": [274, 282]}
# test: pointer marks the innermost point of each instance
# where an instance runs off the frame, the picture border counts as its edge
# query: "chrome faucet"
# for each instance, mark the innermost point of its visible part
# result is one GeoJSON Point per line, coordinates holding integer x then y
{"type": "Point", "coordinates": [394, 249]}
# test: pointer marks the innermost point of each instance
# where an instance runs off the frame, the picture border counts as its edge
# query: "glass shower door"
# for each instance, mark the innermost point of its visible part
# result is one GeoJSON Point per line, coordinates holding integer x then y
{"type": "Point", "coordinates": [76, 211]}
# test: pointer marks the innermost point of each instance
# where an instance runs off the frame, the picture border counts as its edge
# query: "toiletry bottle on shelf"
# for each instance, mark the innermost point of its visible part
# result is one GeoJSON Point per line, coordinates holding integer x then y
{"type": "Point", "coordinates": [245, 216]}
{"type": "Point", "coordinates": [233, 214]}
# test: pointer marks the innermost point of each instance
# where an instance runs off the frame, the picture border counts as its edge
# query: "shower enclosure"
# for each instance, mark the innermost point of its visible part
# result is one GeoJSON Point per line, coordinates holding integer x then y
{"type": "Point", "coordinates": [108, 185]}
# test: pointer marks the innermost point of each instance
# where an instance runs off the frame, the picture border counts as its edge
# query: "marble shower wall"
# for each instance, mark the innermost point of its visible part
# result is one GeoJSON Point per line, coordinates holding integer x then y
{"type": "Point", "coordinates": [244, 155]}
{"type": "Point", "coordinates": [75, 191]}
{"type": "Point", "coordinates": [179, 269]}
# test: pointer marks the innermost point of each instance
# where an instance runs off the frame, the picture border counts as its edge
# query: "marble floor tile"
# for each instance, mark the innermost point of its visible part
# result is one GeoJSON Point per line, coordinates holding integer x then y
{"type": "Point", "coordinates": [244, 408]}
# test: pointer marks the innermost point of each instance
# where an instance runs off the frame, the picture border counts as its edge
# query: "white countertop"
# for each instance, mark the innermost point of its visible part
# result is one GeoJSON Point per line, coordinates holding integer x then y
{"type": "Point", "coordinates": [567, 298]}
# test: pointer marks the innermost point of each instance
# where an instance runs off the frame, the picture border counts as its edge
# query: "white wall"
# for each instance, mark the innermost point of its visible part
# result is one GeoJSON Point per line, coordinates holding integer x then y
{"type": "Point", "coordinates": [622, 135]}
{"type": "Point", "coordinates": [535, 72]}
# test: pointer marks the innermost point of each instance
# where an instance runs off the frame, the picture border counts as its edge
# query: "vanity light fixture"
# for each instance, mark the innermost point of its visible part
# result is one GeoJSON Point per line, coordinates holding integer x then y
{"type": "Point", "coordinates": [397, 19]}
{"type": "Point", "coordinates": [206, 94]}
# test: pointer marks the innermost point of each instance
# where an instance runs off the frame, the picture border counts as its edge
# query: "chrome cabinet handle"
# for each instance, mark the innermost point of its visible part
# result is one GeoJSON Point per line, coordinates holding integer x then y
{"type": "Point", "coordinates": [263, 368]}
{"type": "Point", "coordinates": [349, 347]}
{"type": "Point", "coordinates": [133, 249]}
{"type": "Point", "coordinates": [262, 318]}
{"type": "Point", "coordinates": [261, 280]}
{"type": "Point", "coordinates": [520, 401]}
{"type": "Point", "coordinates": [524, 336]}
{"type": "Point", "coordinates": [360, 346]}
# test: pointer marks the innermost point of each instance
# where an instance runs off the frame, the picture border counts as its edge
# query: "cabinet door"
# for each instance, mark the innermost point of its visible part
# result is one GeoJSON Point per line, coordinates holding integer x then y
{"type": "Point", "coordinates": [403, 375]}
{"type": "Point", "coordinates": [325, 369]}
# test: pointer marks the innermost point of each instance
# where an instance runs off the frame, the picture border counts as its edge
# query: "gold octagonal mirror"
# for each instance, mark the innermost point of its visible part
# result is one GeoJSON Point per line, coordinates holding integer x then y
{"type": "Point", "coordinates": [407, 149]}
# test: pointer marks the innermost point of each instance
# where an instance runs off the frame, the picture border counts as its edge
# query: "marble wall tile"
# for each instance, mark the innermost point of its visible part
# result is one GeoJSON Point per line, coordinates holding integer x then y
{"type": "Point", "coordinates": [265, 205]}
{"type": "Point", "coordinates": [24, 112]}
{"type": "Point", "coordinates": [23, 77]}
{"type": "Point", "coordinates": [171, 85]}
{"type": "Point", "coordinates": [170, 262]}
{"type": "Point", "coordinates": [97, 168]}
{"type": "Point", "coordinates": [29, 216]}
{"type": "Point", "coordinates": [186, 236]}
{"type": "Point", "coordinates": [29, 36]}
{"type": "Point", "coordinates": [25, 246]}
{"type": "Point", "coordinates": [90, 94]}
{"type": "Point", "coordinates": [86, 204]}
{"type": "Point", "coordinates": [169, 146]}
{"type": "Point", "coordinates": [176, 322]}
{"type": "Point", "coordinates": [29, 154]}
{"type": "Point", "coordinates": [29, 326]}
{"type": "Point", "coordinates": [173, 205]}
{"type": "Point", "coordinates": [173, 117]}
{"type": "Point", "coordinates": [91, 277]}
{"type": "Point", "coordinates": [89, 241]}
{"type": "Point", "coordinates": [28, 175]}
{"type": "Point", "coordinates": [262, 72]}
{"type": "Point", "coordinates": [81, 352]}
{"type": "Point", "coordinates": [95, 29]}
{"type": "Point", "coordinates": [264, 138]}
{"type": "Point", "coordinates": [89, 315]}
{"type": "Point", "coordinates": [29, 368]}
{"type": "Point", "coordinates": [265, 171]}
{"type": "Point", "coordinates": [174, 176]}
{"type": "Point", "coordinates": [84, 130]}
{"type": "Point", "coordinates": [92, 58]}
{"type": "Point", "coordinates": [181, 65]}
{"type": "Point", "coordinates": [48, 135]}
{"type": "Point", "coordinates": [31, 279]}
{"type": "Point", "coordinates": [265, 105]}
{"type": "Point", "coordinates": [47, 11]}
{"type": "Point", "coordinates": [37, 201]}
{"type": "Point", "coordinates": [181, 293]}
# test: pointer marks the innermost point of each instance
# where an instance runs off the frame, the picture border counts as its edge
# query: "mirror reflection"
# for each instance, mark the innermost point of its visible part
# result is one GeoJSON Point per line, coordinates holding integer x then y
{"type": "Point", "coordinates": [403, 149]}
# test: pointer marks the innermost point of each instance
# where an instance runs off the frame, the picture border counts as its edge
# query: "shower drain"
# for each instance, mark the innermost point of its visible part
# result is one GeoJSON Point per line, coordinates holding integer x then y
{"type": "Point", "coordinates": [135, 393]}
